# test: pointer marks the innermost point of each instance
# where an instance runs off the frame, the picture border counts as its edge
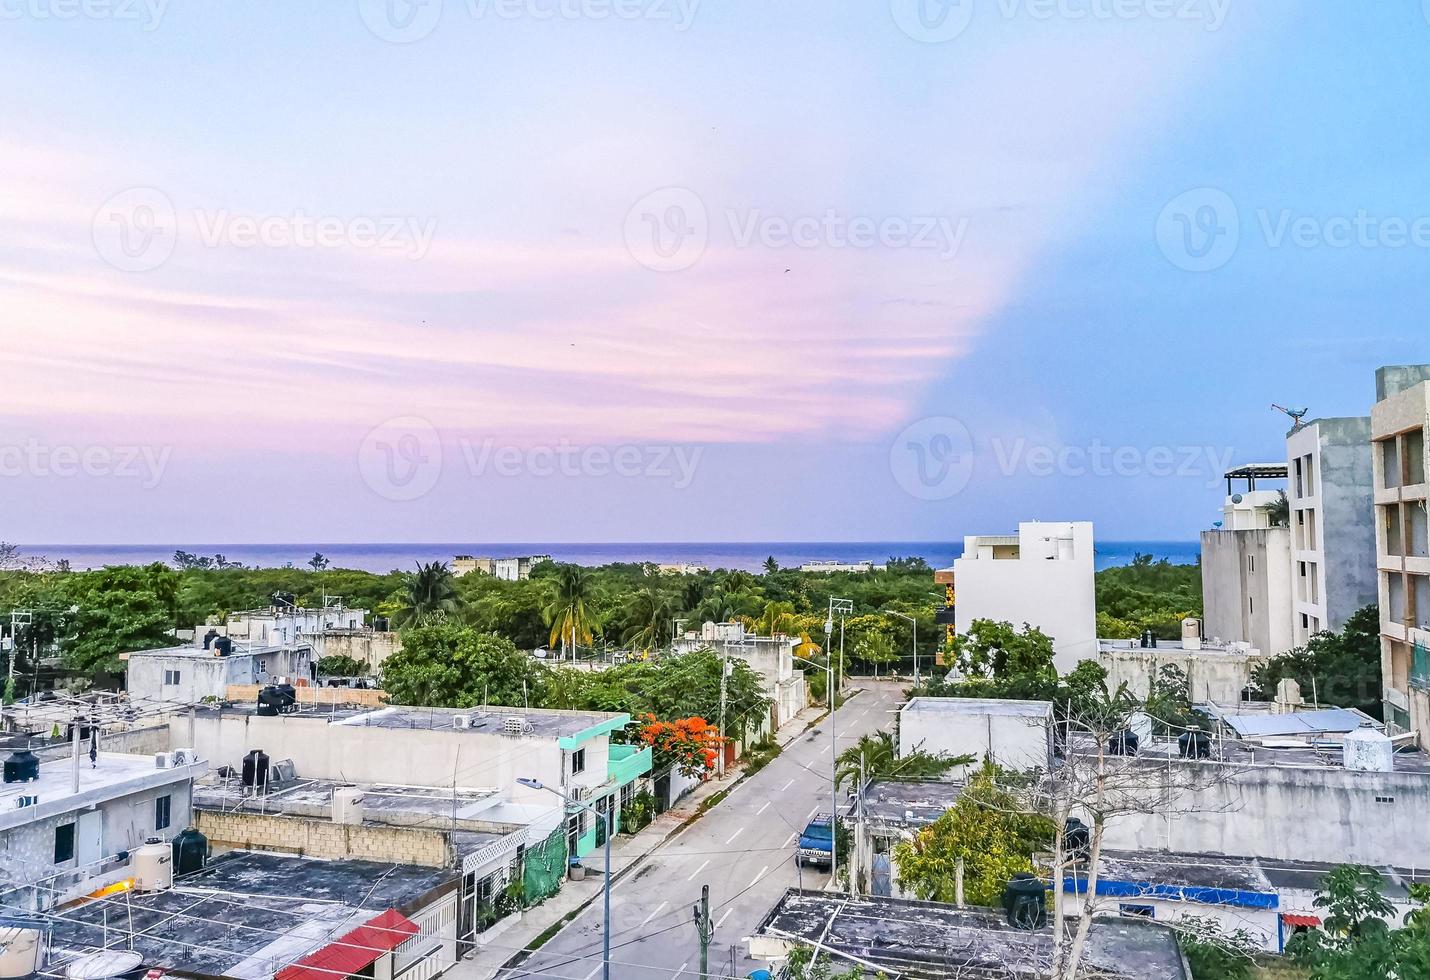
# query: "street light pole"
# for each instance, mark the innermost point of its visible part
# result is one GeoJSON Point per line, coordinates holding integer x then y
{"type": "Point", "coordinates": [606, 928]}
{"type": "Point", "coordinates": [915, 622]}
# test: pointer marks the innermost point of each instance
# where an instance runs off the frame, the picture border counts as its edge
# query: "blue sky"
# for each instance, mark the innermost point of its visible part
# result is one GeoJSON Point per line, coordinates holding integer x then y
{"type": "Point", "coordinates": [736, 271]}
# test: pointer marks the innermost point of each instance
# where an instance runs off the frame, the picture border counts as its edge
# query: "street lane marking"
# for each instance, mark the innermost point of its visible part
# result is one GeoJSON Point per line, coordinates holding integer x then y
{"type": "Point", "coordinates": [718, 924]}
{"type": "Point", "coordinates": [786, 785]}
{"type": "Point", "coordinates": [792, 839]}
{"type": "Point", "coordinates": [698, 870]}
{"type": "Point", "coordinates": [653, 914]}
{"type": "Point", "coordinates": [680, 971]}
{"type": "Point", "coordinates": [595, 971]}
{"type": "Point", "coordinates": [763, 808]}
{"type": "Point", "coordinates": [811, 814]}
{"type": "Point", "coordinates": [732, 837]}
{"type": "Point", "coordinates": [755, 880]}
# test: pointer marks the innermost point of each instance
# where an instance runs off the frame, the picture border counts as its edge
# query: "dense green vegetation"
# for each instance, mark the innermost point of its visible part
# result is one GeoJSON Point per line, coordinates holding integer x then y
{"type": "Point", "coordinates": [1333, 668]}
{"type": "Point", "coordinates": [1147, 594]}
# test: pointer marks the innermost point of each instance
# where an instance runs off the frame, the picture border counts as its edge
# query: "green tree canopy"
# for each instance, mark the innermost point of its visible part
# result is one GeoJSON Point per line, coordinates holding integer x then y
{"type": "Point", "coordinates": [449, 665]}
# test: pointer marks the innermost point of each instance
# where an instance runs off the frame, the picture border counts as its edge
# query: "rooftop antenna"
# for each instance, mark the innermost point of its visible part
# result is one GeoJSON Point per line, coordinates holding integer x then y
{"type": "Point", "coordinates": [1296, 415]}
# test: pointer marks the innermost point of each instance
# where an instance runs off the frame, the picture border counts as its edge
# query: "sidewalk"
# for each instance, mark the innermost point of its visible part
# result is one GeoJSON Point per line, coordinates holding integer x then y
{"type": "Point", "coordinates": [627, 853]}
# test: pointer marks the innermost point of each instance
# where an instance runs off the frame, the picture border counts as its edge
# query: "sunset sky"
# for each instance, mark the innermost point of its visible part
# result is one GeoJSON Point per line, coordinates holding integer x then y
{"type": "Point", "coordinates": [786, 270]}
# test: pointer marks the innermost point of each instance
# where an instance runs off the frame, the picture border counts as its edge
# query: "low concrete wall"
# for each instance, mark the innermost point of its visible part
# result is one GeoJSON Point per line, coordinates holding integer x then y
{"type": "Point", "coordinates": [325, 839]}
{"type": "Point", "coordinates": [136, 741]}
{"type": "Point", "coordinates": [1211, 675]}
{"type": "Point", "coordinates": [308, 694]}
{"type": "Point", "coordinates": [365, 646]}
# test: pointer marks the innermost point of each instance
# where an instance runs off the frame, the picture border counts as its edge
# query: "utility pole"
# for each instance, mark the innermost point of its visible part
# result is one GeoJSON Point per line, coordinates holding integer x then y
{"type": "Point", "coordinates": [704, 930]}
{"type": "Point", "coordinates": [840, 606]}
{"type": "Point", "coordinates": [724, 673]}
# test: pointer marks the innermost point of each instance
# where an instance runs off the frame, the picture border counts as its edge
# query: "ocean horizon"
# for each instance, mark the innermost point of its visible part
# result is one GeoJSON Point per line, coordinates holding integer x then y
{"type": "Point", "coordinates": [749, 556]}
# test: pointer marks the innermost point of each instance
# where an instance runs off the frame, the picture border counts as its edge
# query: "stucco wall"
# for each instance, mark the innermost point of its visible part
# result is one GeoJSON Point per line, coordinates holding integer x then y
{"type": "Point", "coordinates": [1211, 676]}
{"type": "Point", "coordinates": [1229, 581]}
{"type": "Point", "coordinates": [366, 646]}
{"type": "Point", "coordinates": [1013, 741]}
{"type": "Point", "coordinates": [1347, 518]}
{"type": "Point", "coordinates": [1290, 812]}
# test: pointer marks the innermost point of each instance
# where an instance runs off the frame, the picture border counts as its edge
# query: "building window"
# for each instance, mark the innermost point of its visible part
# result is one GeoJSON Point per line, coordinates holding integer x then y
{"type": "Point", "coordinates": [1385, 799]}
{"type": "Point", "coordinates": [1305, 621]}
{"type": "Point", "coordinates": [1251, 563]}
{"type": "Point", "coordinates": [578, 762]}
{"type": "Point", "coordinates": [161, 813]}
{"type": "Point", "coordinates": [171, 678]}
{"type": "Point", "coordinates": [64, 843]}
{"type": "Point", "coordinates": [1301, 565]}
{"type": "Point", "coordinates": [1138, 911]}
{"type": "Point", "coordinates": [1251, 605]}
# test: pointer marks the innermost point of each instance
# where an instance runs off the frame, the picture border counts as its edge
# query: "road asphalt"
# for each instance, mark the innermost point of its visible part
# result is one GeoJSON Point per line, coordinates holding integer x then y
{"type": "Point", "coordinates": [743, 848]}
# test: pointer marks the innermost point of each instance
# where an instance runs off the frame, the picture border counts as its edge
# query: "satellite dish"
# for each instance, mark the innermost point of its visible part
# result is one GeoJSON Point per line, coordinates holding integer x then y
{"type": "Point", "coordinates": [539, 653]}
{"type": "Point", "coordinates": [104, 964]}
{"type": "Point", "coordinates": [1236, 498]}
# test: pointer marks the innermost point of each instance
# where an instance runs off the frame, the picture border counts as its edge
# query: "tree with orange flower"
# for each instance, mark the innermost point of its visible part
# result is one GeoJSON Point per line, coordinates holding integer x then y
{"type": "Point", "coordinates": [689, 745]}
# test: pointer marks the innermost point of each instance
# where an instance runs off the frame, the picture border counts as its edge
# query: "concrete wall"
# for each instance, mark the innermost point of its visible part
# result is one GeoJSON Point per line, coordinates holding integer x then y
{"type": "Point", "coordinates": [365, 646]}
{"type": "Point", "coordinates": [138, 741]}
{"type": "Point", "coordinates": [1347, 518]}
{"type": "Point", "coordinates": [1297, 813]}
{"type": "Point", "coordinates": [1050, 586]}
{"type": "Point", "coordinates": [1212, 675]}
{"type": "Point", "coordinates": [320, 838]}
{"type": "Point", "coordinates": [309, 694]}
{"type": "Point", "coordinates": [1246, 587]}
{"type": "Point", "coordinates": [1014, 741]}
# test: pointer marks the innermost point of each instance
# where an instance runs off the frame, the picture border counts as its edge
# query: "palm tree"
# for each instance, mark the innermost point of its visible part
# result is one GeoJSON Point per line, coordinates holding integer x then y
{"type": "Point", "coordinates": [429, 595]}
{"type": "Point", "coordinates": [880, 756]}
{"type": "Point", "coordinates": [569, 613]}
{"type": "Point", "coordinates": [778, 617]}
{"type": "Point", "coordinates": [771, 566]}
{"type": "Point", "coordinates": [649, 612]}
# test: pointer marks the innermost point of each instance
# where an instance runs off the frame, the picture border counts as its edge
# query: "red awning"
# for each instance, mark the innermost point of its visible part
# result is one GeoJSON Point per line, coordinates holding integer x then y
{"type": "Point", "coordinates": [352, 951]}
{"type": "Point", "coordinates": [1295, 919]}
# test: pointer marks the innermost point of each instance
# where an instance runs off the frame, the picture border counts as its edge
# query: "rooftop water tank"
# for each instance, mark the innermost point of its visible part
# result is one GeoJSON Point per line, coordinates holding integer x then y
{"type": "Point", "coordinates": [1024, 902]}
{"type": "Point", "coordinates": [255, 769]}
{"type": "Point", "coordinates": [22, 766]}
{"type": "Point", "coordinates": [1124, 742]}
{"type": "Point", "coordinates": [1077, 839]}
{"type": "Point", "coordinates": [22, 946]}
{"type": "Point", "coordinates": [191, 851]}
{"type": "Point", "coordinates": [153, 866]}
{"type": "Point", "coordinates": [347, 805]}
{"type": "Point", "coordinates": [1194, 744]}
{"type": "Point", "coordinates": [1191, 633]}
{"type": "Point", "coordinates": [1368, 750]}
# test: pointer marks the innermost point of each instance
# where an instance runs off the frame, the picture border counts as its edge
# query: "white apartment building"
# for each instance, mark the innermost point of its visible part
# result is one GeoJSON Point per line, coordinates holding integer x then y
{"type": "Point", "coordinates": [857, 567]}
{"type": "Point", "coordinates": [1246, 566]}
{"type": "Point", "coordinates": [67, 827]}
{"type": "Point", "coordinates": [284, 623]}
{"type": "Point", "coordinates": [1332, 523]}
{"type": "Point", "coordinates": [189, 674]}
{"type": "Point", "coordinates": [516, 569]}
{"type": "Point", "coordinates": [1400, 423]}
{"type": "Point", "coordinates": [1041, 576]}
{"type": "Point", "coordinates": [772, 657]}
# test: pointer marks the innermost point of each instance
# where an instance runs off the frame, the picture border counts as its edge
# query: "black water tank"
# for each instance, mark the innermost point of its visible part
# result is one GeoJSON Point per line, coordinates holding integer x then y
{"type": "Point", "coordinates": [1024, 902]}
{"type": "Point", "coordinates": [1194, 744]}
{"type": "Point", "coordinates": [1123, 743]}
{"type": "Point", "coordinates": [381, 624]}
{"type": "Point", "coordinates": [1077, 839]}
{"type": "Point", "coordinates": [223, 646]}
{"type": "Point", "coordinates": [289, 696]}
{"type": "Point", "coordinates": [191, 851]}
{"type": "Point", "coordinates": [269, 701]}
{"type": "Point", "coordinates": [23, 766]}
{"type": "Point", "coordinates": [209, 637]}
{"type": "Point", "coordinates": [255, 769]}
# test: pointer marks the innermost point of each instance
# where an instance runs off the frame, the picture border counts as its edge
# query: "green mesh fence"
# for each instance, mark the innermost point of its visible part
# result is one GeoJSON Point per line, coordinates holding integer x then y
{"type": "Point", "coordinates": [545, 867]}
{"type": "Point", "coordinates": [1420, 666]}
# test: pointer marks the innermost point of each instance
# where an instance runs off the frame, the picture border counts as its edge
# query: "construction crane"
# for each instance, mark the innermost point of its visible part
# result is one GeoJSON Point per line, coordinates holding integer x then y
{"type": "Point", "coordinates": [1296, 415]}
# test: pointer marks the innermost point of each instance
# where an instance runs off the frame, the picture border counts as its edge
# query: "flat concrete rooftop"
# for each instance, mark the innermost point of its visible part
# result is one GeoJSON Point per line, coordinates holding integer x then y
{"type": "Point", "coordinates": [247, 913]}
{"type": "Point", "coordinates": [1315, 755]}
{"type": "Point", "coordinates": [908, 804]}
{"type": "Point", "coordinates": [929, 941]}
{"type": "Point", "coordinates": [980, 706]}
{"type": "Point", "coordinates": [192, 651]}
{"type": "Point", "coordinates": [538, 722]}
{"type": "Point", "coordinates": [110, 776]}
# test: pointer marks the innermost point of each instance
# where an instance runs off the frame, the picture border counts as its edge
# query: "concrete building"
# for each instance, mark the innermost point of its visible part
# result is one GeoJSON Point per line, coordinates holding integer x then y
{"type": "Point", "coordinates": [284, 623]}
{"type": "Point", "coordinates": [1400, 424]}
{"type": "Point", "coordinates": [69, 832]}
{"type": "Point", "coordinates": [1332, 523]}
{"type": "Point", "coordinates": [1215, 672]}
{"type": "Point", "coordinates": [486, 749]}
{"type": "Point", "coordinates": [772, 657]}
{"type": "Point", "coordinates": [930, 941]}
{"type": "Point", "coordinates": [254, 916]}
{"type": "Point", "coordinates": [516, 569]}
{"type": "Point", "coordinates": [1270, 900]}
{"type": "Point", "coordinates": [1014, 734]}
{"type": "Point", "coordinates": [1042, 576]}
{"type": "Point", "coordinates": [189, 674]}
{"type": "Point", "coordinates": [886, 812]}
{"type": "Point", "coordinates": [679, 568]}
{"type": "Point", "coordinates": [857, 567]}
{"type": "Point", "coordinates": [1246, 565]}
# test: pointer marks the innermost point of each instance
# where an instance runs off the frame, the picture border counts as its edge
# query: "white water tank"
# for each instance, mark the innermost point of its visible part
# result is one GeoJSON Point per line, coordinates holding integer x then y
{"type": "Point", "coordinates": [1191, 633]}
{"type": "Point", "coordinates": [1368, 750]}
{"type": "Point", "coordinates": [153, 866]}
{"type": "Point", "coordinates": [21, 951]}
{"type": "Point", "coordinates": [347, 805]}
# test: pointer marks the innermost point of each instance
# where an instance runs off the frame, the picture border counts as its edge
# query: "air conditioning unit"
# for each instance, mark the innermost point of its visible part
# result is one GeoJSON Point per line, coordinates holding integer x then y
{"type": "Point", "coordinates": [185, 757]}
{"type": "Point", "coordinates": [461, 721]}
{"type": "Point", "coordinates": [283, 771]}
{"type": "Point", "coordinates": [515, 725]}
{"type": "Point", "coordinates": [164, 760]}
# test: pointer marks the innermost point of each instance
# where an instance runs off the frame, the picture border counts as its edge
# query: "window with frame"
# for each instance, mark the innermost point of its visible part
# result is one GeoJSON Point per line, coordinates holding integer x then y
{"type": "Point", "coordinates": [578, 762]}
{"type": "Point", "coordinates": [64, 843]}
{"type": "Point", "coordinates": [162, 806]}
{"type": "Point", "coordinates": [171, 678]}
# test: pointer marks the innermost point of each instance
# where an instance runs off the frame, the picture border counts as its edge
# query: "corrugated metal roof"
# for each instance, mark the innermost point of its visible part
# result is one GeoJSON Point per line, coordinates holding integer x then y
{"type": "Point", "coordinates": [1326, 720]}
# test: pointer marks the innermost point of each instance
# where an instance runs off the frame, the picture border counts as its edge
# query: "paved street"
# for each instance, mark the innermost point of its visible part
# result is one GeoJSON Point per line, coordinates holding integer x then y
{"type": "Point", "coordinates": [743, 849]}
